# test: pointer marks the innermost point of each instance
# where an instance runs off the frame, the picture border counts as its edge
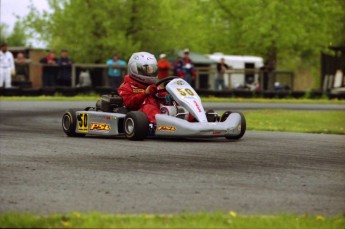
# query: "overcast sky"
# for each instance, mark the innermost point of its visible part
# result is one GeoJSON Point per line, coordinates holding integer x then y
{"type": "Point", "coordinates": [11, 8]}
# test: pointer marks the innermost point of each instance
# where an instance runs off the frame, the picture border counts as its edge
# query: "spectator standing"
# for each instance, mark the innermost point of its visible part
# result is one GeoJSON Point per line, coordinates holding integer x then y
{"type": "Point", "coordinates": [163, 66]}
{"type": "Point", "coordinates": [22, 68]}
{"type": "Point", "coordinates": [84, 79]}
{"type": "Point", "coordinates": [49, 69]}
{"type": "Point", "coordinates": [188, 68]}
{"type": "Point", "coordinates": [267, 73]}
{"type": "Point", "coordinates": [7, 67]}
{"type": "Point", "coordinates": [221, 69]}
{"type": "Point", "coordinates": [114, 71]}
{"type": "Point", "coordinates": [178, 67]}
{"type": "Point", "coordinates": [65, 69]}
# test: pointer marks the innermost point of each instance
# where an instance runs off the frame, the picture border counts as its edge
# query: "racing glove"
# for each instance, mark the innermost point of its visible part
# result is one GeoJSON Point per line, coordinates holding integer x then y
{"type": "Point", "coordinates": [168, 99]}
{"type": "Point", "coordinates": [151, 90]}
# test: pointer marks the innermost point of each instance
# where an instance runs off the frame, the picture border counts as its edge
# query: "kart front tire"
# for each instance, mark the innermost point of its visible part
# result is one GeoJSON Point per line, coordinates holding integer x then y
{"type": "Point", "coordinates": [225, 115]}
{"type": "Point", "coordinates": [243, 124]}
{"type": "Point", "coordinates": [136, 125]}
{"type": "Point", "coordinates": [69, 123]}
{"type": "Point", "coordinates": [210, 115]}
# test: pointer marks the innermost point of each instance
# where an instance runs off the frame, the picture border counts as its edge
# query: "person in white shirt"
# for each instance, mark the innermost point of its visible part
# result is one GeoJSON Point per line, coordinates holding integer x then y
{"type": "Point", "coordinates": [7, 67]}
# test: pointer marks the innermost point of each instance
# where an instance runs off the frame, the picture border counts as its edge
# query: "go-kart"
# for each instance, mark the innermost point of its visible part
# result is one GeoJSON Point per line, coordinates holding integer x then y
{"type": "Point", "coordinates": [111, 118]}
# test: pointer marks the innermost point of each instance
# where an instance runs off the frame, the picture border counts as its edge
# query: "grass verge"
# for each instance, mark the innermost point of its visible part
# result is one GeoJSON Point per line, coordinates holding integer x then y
{"type": "Point", "coordinates": [185, 220]}
{"type": "Point", "coordinates": [325, 122]}
{"type": "Point", "coordinates": [94, 97]}
{"type": "Point", "coordinates": [273, 100]}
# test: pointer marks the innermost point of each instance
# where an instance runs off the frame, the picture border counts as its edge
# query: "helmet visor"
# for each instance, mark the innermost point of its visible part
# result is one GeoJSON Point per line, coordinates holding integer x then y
{"type": "Point", "coordinates": [148, 70]}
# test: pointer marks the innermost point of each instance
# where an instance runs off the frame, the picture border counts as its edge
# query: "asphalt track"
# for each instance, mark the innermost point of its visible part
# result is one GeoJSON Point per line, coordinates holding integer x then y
{"type": "Point", "coordinates": [43, 171]}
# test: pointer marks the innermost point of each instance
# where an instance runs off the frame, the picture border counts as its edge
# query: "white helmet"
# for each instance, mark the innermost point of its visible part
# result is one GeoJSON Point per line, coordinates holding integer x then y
{"type": "Point", "coordinates": [142, 67]}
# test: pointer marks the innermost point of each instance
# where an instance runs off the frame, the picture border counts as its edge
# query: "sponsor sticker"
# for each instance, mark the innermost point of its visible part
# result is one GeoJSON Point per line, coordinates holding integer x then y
{"type": "Point", "coordinates": [138, 90]}
{"type": "Point", "coordinates": [179, 82]}
{"type": "Point", "coordinates": [100, 127]}
{"type": "Point", "coordinates": [166, 128]}
{"type": "Point", "coordinates": [197, 105]}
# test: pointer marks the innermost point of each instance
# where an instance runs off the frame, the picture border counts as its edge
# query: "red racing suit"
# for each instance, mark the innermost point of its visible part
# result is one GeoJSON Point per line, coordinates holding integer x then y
{"type": "Point", "coordinates": [134, 98]}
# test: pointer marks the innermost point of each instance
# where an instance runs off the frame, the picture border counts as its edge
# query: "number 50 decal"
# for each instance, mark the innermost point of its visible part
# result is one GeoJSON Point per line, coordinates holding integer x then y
{"type": "Point", "coordinates": [185, 92]}
{"type": "Point", "coordinates": [82, 122]}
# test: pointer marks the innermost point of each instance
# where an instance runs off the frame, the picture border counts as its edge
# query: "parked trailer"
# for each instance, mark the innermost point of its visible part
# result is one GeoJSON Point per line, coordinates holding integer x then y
{"type": "Point", "coordinates": [249, 65]}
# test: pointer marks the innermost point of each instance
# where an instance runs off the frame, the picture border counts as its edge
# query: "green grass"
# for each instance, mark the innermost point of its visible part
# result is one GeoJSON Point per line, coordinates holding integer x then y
{"type": "Point", "coordinates": [185, 220]}
{"type": "Point", "coordinates": [326, 122]}
{"type": "Point", "coordinates": [94, 97]}
{"type": "Point", "coordinates": [91, 97]}
{"type": "Point", "coordinates": [273, 100]}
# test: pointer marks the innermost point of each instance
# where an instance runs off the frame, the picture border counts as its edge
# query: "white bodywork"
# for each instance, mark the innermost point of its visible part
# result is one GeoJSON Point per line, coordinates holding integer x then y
{"type": "Point", "coordinates": [186, 97]}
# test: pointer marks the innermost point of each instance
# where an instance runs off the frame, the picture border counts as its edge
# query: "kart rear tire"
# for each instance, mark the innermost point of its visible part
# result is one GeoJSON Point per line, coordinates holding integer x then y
{"type": "Point", "coordinates": [136, 126]}
{"type": "Point", "coordinates": [69, 124]}
{"type": "Point", "coordinates": [243, 124]}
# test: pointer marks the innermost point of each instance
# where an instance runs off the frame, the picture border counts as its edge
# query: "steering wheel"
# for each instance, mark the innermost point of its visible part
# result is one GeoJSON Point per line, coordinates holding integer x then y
{"type": "Point", "coordinates": [164, 81]}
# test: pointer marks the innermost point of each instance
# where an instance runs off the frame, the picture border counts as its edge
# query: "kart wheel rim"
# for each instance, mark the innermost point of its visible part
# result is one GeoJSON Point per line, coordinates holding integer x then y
{"type": "Point", "coordinates": [129, 125]}
{"type": "Point", "coordinates": [66, 123]}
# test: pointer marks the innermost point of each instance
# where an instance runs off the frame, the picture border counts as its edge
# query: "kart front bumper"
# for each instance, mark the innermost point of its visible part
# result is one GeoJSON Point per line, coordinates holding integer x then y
{"type": "Point", "coordinates": [172, 126]}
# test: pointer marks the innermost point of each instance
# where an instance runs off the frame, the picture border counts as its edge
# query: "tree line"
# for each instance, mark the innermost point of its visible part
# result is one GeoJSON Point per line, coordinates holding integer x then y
{"type": "Point", "coordinates": [291, 33]}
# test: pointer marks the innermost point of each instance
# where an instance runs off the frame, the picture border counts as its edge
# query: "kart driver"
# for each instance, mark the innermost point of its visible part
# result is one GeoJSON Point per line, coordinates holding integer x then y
{"type": "Point", "coordinates": [139, 88]}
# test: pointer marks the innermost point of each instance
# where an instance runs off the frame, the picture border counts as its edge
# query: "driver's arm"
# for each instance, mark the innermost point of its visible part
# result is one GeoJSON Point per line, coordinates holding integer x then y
{"type": "Point", "coordinates": [133, 98]}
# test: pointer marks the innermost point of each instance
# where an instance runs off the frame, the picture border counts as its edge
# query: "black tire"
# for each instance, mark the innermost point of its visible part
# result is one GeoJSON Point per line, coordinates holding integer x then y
{"type": "Point", "coordinates": [243, 124]}
{"type": "Point", "coordinates": [225, 115]}
{"type": "Point", "coordinates": [69, 123]}
{"type": "Point", "coordinates": [211, 117]}
{"type": "Point", "coordinates": [136, 126]}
